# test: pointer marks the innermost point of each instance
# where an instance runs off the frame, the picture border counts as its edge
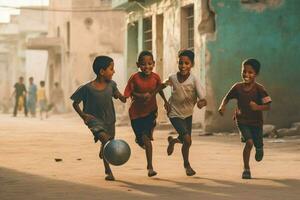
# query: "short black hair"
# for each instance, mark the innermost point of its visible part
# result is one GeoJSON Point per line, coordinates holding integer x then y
{"type": "Point", "coordinates": [143, 54]}
{"type": "Point", "coordinates": [101, 62]}
{"type": "Point", "coordinates": [190, 54]}
{"type": "Point", "coordinates": [42, 83]}
{"type": "Point", "coordinates": [255, 64]}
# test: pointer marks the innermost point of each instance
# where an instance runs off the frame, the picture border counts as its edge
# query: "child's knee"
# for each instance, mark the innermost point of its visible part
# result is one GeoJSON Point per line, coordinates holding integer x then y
{"type": "Point", "coordinates": [249, 143]}
{"type": "Point", "coordinates": [146, 140]}
{"type": "Point", "coordinates": [104, 138]}
{"type": "Point", "coordinates": [187, 141]}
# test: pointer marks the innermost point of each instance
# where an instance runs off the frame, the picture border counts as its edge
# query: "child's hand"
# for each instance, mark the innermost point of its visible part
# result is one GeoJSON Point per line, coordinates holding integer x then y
{"type": "Point", "coordinates": [87, 118]}
{"type": "Point", "coordinates": [236, 113]}
{"type": "Point", "coordinates": [147, 96]}
{"type": "Point", "coordinates": [122, 98]}
{"type": "Point", "coordinates": [253, 105]}
{"type": "Point", "coordinates": [201, 103]}
{"type": "Point", "coordinates": [167, 107]}
{"type": "Point", "coordinates": [221, 110]}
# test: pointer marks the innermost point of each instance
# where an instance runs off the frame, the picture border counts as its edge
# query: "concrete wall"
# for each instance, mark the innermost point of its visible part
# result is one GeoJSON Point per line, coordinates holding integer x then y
{"type": "Point", "coordinates": [267, 31]}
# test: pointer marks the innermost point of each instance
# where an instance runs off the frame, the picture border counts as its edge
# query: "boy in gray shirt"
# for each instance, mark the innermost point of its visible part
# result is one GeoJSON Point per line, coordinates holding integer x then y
{"type": "Point", "coordinates": [98, 111]}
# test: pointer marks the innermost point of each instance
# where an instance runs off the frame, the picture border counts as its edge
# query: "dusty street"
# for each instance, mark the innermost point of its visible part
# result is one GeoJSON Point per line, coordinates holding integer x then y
{"type": "Point", "coordinates": [28, 148]}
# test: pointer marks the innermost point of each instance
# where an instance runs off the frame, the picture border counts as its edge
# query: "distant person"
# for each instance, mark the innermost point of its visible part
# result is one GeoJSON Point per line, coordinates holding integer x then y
{"type": "Point", "coordinates": [20, 97]}
{"type": "Point", "coordinates": [252, 99]}
{"type": "Point", "coordinates": [57, 99]}
{"type": "Point", "coordinates": [32, 97]}
{"type": "Point", "coordinates": [98, 111]}
{"type": "Point", "coordinates": [42, 100]}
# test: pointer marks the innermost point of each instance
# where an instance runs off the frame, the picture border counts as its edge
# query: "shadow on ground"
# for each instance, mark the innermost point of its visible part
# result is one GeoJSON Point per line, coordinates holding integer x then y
{"type": "Point", "coordinates": [19, 185]}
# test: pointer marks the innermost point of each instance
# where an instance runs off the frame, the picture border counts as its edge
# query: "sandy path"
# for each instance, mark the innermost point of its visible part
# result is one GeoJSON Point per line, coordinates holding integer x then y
{"type": "Point", "coordinates": [28, 170]}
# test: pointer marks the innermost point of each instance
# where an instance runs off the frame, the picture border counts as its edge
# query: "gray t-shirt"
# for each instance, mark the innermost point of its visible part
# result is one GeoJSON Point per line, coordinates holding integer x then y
{"type": "Point", "coordinates": [96, 102]}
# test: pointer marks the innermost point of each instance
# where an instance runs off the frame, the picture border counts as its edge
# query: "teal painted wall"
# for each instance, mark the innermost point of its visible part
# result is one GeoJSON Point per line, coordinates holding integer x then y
{"type": "Point", "coordinates": [273, 37]}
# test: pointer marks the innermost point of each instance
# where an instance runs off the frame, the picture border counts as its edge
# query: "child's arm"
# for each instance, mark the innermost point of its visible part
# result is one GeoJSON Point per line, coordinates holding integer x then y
{"type": "Point", "coordinates": [222, 107]}
{"type": "Point", "coordinates": [232, 94]}
{"type": "Point", "coordinates": [120, 96]}
{"type": "Point", "coordinates": [166, 103]}
{"type": "Point", "coordinates": [201, 103]}
{"type": "Point", "coordinates": [266, 101]}
{"type": "Point", "coordinates": [147, 96]}
{"type": "Point", "coordinates": [160, 88]}
{"type": "Point", "coordinates": [200, 93]}
{"type": "Point", "coordinates": [84, 116]}
{"type": "Point", "coordinates": [257, 107]}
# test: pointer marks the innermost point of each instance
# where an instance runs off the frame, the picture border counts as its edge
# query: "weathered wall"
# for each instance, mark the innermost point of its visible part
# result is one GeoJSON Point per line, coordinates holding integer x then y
{"type": "Point", "coordinates": [269, 32]}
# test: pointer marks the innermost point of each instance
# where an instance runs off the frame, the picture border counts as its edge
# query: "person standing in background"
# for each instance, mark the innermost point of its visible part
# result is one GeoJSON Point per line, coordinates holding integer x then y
{"type": "Point", "coordinates": [42, 99]}
{"type": "Point", "coordinates": [57, 99]}
{"type": "Point", "coordinates": [20, 97]}
{"type": "Point", "coordinates": [32, 97]}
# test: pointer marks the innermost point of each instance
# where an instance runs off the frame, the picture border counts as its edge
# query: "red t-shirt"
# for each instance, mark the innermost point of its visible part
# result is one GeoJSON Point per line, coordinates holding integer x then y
{"type": "Point", "coordinates": [139, 84]}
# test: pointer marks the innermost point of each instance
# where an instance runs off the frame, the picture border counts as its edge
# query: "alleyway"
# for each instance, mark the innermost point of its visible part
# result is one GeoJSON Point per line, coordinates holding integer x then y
{"type": "Point", "coordinates": [28, 148]}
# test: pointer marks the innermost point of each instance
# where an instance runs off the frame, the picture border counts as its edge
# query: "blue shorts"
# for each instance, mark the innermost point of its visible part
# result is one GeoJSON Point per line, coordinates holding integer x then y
{"type": "Point", "coordinates": [251, 132]}
{"type": "Point", "coordinates": [97, 128]}
{"type": "Point", "coordinates": [144, 126]}
{"type": "Point", "coordinates": [182, 126]}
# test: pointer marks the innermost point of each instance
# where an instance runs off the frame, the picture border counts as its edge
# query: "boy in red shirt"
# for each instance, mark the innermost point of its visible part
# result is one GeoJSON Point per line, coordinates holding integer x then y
{"type": "Point", "coordinates": [143, 109]}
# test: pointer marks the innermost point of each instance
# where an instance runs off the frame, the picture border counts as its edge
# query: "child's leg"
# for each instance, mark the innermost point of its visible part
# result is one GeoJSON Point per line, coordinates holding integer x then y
{"type": "Point", "coordinates": [16, 106]}
{"type": "Point", "coordinates": [148, 150]}
{"type": "Point", "coordinates": [104, 138]}
{"type": "Point", "coordinates": [172, 141]}
{"type": "Point", "coordinates": [187, 142]}
{"type": "Point", "coordinates": [25, 107]}
{"type": "Point", "coordinates": [246, 153]}
{"type": "Point", "coordinates": [257, 135]}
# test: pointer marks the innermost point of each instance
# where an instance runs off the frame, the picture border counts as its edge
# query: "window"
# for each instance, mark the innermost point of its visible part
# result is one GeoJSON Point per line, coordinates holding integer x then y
{"type": "Point", "coordinates": [68, 35]}
{"type": "Point", "coordinates": [187, 28]}
{"type": "Point", "coordinates": [147, 37]}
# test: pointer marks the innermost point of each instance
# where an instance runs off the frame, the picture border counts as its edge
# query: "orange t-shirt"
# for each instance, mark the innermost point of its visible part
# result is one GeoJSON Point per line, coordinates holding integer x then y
{"type": "Point", "coordinates": [139, 108]}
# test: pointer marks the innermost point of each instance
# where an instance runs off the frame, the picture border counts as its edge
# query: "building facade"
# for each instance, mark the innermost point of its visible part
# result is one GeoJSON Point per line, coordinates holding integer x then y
{"type": "Point", "coordinates": [222, 34]}
{"type": "Point", "coordinates": [78, 31]}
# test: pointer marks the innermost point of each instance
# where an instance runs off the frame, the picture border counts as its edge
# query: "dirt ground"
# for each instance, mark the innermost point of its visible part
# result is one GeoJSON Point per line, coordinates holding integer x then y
{"type": "Point", "coordinates": [28, 148]}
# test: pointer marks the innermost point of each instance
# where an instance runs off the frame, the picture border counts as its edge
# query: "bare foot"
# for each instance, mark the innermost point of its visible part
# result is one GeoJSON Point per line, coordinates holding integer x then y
{"type": "Point", "coordinates": [151, 172]}
{"type": "Point", "coordinates": [109, 177]}
{"type": "Point", "coordinates": [189, 171]}
{"type": "Point", "coordinates": [170, 148]}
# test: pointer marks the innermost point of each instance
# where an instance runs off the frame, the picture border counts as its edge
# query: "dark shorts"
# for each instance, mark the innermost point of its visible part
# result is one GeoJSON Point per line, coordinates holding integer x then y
{"type": "Point", "coordinates": [144, 126]}
{"type": "Point", "coordinates": [251, 132]}
{"type": "Point", "coordinates": [97, 128]}
{"type": "Point", "coordinates": [182, 126]}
